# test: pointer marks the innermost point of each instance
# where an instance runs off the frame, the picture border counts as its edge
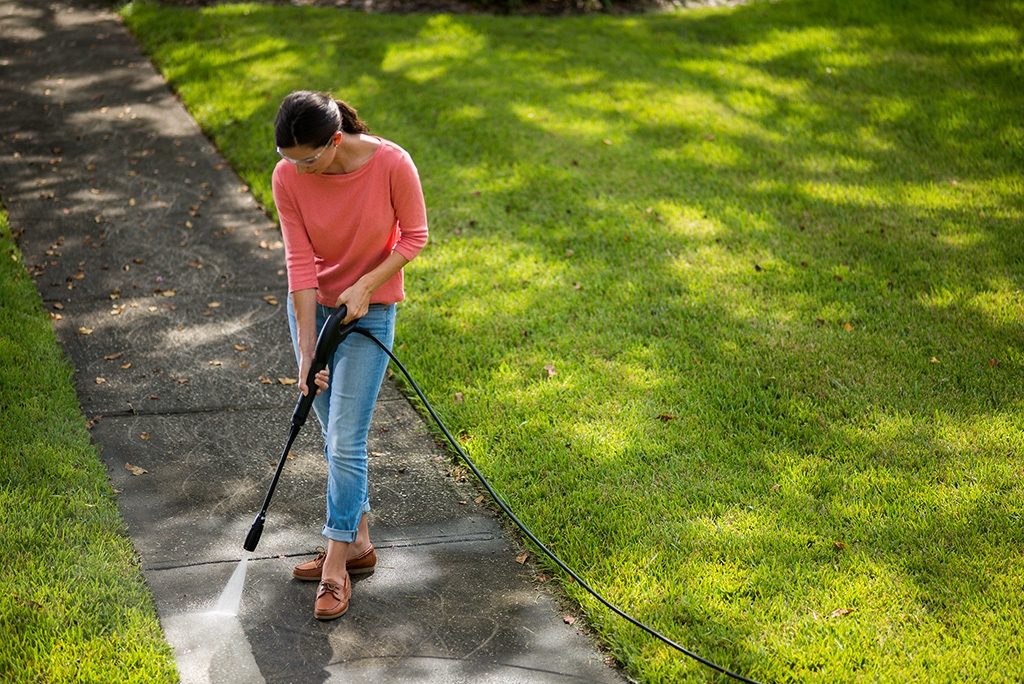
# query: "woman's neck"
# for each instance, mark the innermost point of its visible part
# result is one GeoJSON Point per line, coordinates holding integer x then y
{"type": "Point", "coordinates": [354, 151]}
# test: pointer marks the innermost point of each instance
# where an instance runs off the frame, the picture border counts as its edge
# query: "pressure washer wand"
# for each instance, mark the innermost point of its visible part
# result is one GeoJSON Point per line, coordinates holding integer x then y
{"type": "Point", "coordinates": [330, 337]}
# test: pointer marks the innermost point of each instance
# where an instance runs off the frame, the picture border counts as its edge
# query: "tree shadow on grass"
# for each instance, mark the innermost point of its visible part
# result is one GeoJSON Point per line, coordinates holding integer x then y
{"type": "Point", "coordinates": [819, 241]}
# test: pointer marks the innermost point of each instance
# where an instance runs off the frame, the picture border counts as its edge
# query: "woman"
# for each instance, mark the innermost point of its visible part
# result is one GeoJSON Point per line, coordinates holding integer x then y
{"type": "Point", "coordinates": [352, 215]}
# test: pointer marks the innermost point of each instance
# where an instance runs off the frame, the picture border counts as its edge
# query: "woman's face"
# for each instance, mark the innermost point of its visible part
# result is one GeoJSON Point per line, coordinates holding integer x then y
{"type": "Point", "coordinates": [311, 159]}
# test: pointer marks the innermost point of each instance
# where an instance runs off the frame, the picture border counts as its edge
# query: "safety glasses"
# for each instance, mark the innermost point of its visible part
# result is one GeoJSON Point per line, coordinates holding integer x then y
{"type": "Point", "coordinates": [308, 160]}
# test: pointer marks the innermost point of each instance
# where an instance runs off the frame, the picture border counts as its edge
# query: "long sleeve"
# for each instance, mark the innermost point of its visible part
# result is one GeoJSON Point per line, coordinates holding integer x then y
{"type": "Point", "coordinates": [300, 258]}
{"type": "Point", "coordinates": [410, 208]}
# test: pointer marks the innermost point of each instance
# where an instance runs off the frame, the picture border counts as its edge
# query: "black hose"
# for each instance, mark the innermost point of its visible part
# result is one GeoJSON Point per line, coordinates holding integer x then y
{"type": "Point", "coordinates": [526, 530]}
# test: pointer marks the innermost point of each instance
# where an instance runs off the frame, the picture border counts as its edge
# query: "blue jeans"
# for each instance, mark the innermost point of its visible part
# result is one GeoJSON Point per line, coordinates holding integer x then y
{"type": "Point", "coordinates": [345, 411]}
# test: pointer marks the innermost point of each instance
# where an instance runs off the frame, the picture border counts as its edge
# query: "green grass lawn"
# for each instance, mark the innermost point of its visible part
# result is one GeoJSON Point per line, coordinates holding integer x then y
{"type": "Point", "coordinates": [73, 604]}
{"type": "Point", "coordinates": [728, 303]}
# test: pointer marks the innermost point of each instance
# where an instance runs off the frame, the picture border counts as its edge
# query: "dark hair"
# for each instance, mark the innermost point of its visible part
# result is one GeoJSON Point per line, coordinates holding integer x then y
{"type": "Point", "coordinates": [308, 118]}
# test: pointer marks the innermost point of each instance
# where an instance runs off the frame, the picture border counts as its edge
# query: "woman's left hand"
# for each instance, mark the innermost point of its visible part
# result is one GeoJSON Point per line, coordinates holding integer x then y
{"type": "Point", "coordinates": [357, 300]}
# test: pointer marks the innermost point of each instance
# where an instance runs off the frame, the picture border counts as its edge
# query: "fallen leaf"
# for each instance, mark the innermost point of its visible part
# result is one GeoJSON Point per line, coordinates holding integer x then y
{"type": "Point", "coordinates": [521, 558]}
{"type": "Point", "coordinates": [166, 293]}
{"type": "Point", "coordinates": [214, 305]}
{"type": "Point", "coordinates": [550, 368]}
{"type": "Point", "coordinates": [134, 469]}
{"type": "Point", "coordinates": [58, 306]}
{"type": "Point", "coordinates": [848, 327]}
{"type": "Point", "coordinates": [100, 381]}
{"type": "Point", "coordinates": [270, 299]}
{"type": "Point", "coordinates": [840, 612]}
{"type": "Point", "coordinates": [243, 364]}
{"type": "Point", "coordinates": [606, 141]}
{"type": "Point", "coordinates": [265, 380]}
{"type": "Point", "coordinates": [838, 545]}
{"type": "Point", "coordinates": [479, 499]}
{"type": "Point", "coordinates": [934, 359]}
{"type": "Point", "coordinates": [113, 357]}
{"type": "Point", "coordinates": [993, 363]}
{"type": "Point", "coordinates": [569, 620]}
{"type": "Point", "coordinates": [240, 347]}
{"type": "Point", "coordinates": [215, 363]}
{"type": "Point", "coordinates": [287, 381]}
{"type": "Point", "coordinates": [144, 436]}
{"type": "Point", "coordinates": [458, 397]}
{"type": "Point", "coordinates": [126, 366]}
{"type": "Point", "coordinates": [665, 417]}
{"type": "Point", "coordinates": [85, 331]}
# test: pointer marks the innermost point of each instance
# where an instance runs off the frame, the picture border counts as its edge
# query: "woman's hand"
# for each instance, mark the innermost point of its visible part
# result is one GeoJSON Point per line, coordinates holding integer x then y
{"type": "Point", "coordinates": [322, 380]}
{"type": "Point", "coordinates": [356, 300]}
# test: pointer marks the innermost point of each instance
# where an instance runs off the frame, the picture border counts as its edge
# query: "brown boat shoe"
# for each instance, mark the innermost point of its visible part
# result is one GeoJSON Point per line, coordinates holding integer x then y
{"type": "Point", "coordinates": [332, 599]}
{"type": "Point", "coordinates": [313, 570]}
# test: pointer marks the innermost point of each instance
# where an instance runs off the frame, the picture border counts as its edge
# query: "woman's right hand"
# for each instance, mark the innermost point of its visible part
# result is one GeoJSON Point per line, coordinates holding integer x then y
{"type": "Point", "coordinates": [322, 380]}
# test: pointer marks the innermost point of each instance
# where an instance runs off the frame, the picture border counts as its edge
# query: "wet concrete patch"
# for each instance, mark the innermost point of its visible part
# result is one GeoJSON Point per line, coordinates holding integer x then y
{"type": "Point", "coordinates": [428, 614]}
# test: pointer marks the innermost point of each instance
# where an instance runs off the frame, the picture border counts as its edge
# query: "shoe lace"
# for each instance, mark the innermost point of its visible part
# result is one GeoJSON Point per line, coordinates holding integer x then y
{"type": "Point", "coordinates": [331, 587]}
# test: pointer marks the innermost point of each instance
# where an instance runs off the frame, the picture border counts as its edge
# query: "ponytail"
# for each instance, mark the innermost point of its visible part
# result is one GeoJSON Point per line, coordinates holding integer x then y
{"type": "Point", "coordinates": [350, 121]}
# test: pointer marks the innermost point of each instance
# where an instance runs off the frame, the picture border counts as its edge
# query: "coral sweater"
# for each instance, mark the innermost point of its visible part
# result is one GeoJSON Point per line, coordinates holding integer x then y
{"type": "Point", "coordinates": [338, 227]}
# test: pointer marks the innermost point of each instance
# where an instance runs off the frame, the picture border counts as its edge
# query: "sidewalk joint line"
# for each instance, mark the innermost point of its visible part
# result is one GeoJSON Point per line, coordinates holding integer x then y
{"type": "Point", "coordinates": [396, 544]}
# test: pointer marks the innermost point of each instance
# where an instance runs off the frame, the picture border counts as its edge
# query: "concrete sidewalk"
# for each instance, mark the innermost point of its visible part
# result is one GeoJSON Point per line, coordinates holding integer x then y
{"type": "Point", "coordinates": [167, 279]}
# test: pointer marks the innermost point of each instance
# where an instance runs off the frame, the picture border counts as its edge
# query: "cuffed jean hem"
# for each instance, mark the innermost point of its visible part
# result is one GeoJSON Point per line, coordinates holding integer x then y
{"type": "Point", "coordinates": [347, 536]}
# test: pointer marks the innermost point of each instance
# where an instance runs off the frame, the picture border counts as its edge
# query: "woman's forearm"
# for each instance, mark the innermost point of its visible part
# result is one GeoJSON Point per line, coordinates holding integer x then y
{"type": "Point", "coordinates": [357, 297]}
{"type": "Point", "coordinates": [304, 303]}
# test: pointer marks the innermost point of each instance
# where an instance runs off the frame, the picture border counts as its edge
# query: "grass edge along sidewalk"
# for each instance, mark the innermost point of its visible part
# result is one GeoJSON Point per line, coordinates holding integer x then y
{"type": "Point", "coordinates": [73, 603]}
